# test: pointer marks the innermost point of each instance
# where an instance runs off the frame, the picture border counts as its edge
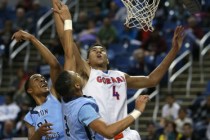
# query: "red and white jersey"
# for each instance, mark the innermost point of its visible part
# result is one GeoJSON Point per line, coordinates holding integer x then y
{"type": "Point", "coordinates": [109, 90]}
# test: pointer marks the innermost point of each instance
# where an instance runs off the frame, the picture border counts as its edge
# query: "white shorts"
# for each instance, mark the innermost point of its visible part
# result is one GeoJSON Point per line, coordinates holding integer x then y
{"type": "Point", "coordinates": [129, 134]}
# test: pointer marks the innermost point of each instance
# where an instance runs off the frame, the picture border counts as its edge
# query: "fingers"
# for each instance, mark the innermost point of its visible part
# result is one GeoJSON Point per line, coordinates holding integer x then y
{"type": "Point", "coordinates": [56, 10]}
{"type": "Point", "coordinates": [181, 32]}
{"type": "Point", "coordinates": [58, 4]}
{"type": "Point", "coordinates": [17, 36]}
{"type": "Point", "coordinates": [66, 7]}
{"type": "Point", "coordinates": [143, 98]}
{"type": "Point", "coordinates": [47, 125]}
{"type": "Point", "coordinates": [46, 129]}
{"type": "Point", "coordinates": [55, 3]}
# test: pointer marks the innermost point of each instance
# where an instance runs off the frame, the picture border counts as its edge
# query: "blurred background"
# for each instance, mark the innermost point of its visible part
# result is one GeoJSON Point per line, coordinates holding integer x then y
{"type": "Point", "coordinates": [180, 107]}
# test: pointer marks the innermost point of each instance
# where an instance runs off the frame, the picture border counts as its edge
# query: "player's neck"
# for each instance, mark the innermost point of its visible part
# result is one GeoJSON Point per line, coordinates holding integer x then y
{"type": "Point", "coordinates": [41, 99]}
{"type": "Point", "coordinates": [102, 67]}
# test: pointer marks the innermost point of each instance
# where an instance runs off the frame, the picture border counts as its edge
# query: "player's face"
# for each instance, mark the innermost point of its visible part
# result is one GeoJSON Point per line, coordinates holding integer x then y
{"type": "Point", "coordinates": [38, 84]}
{"type": "Point", "coordinates": [98, 56]}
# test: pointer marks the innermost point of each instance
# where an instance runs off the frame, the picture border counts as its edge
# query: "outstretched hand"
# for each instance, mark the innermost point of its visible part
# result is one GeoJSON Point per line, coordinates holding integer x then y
{"type": "Point", "coordinates": [178, 37]}
{"type": "Point", "coordinates": [21, 35]}
{"type": "Point", "coordinates": [62, 10]}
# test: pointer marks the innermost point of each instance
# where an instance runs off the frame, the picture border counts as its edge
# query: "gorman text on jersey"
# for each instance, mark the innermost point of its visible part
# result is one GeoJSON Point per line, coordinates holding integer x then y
{"type": "Point", "coordinates": [110, 80]}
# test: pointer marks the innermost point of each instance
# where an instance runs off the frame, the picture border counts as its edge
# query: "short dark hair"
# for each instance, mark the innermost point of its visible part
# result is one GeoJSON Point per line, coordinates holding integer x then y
{"type": "Point", "coordinates": [96, 44]}
{"type": "Point", "coordinates": [64, 84]}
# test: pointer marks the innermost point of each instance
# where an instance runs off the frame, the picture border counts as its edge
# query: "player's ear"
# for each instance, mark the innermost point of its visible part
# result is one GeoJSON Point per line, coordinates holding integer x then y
{"type": "Point", "coordinates": [77, 86]}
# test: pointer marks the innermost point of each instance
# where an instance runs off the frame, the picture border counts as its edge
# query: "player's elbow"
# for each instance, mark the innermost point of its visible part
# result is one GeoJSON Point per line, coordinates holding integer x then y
{"type": "Point", "coordinates": [110, 134]}
{"type": "Point", "coordinates": [55, 64]}
{"type": "Point", "coordinates": [153, 81]}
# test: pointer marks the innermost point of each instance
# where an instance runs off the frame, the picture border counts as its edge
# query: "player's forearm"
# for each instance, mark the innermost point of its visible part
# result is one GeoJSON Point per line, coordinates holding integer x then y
{"type": "Point", "coordinates": [68, 49]}
{"type": "Point", "coordinates": [110, 131]}
{"type": "Point", "coordinates": [119, 126]}
{"type": "Point", "coordinates": [46, 54]}
{"type": "Point", "coordinates": [68, 44]}
{"type": "Point", "coordinates": [58, 22]}
{"type": "Point", "coordinates": [36, 136]}
{"type": "Point", "coordinates": [159, 72]}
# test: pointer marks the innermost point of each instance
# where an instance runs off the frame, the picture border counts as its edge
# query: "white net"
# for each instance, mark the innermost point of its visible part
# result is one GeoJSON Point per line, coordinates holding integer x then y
{"type": "Point", "coordinates": [140, 13]}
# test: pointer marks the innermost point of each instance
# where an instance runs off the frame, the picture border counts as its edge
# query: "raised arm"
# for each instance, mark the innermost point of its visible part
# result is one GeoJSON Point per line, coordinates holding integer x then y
{"type": "Point", "coordinates": [109, 131]}
{"type": "Point", "coordinates": [70, 63]}
{"type": "Point", "coordinates": [55, 67]}
{"type": "Point", "coordinates": [155, 76]}
{"type": "Point", "coordinates": [58, 21]}
{"type": "Point", "coordinates": [59, 14]}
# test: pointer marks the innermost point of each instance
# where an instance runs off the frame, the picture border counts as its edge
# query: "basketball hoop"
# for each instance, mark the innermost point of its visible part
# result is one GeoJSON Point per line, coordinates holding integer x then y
{"type": "Point", "coordinates": [140, 13]}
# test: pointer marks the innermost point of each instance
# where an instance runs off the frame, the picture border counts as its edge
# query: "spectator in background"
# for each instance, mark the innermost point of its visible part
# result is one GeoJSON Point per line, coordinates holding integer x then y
{"type": "Point", "coordinates": [88, 35]}
{"type": "Point", "coordinates": [9, 110]}
{"type": "Point", "coordinates": [143, 36]}
{"type": "Point", "coordinates": [26, 4]}
{"type": "Point", "coordinates": [107, 33]}
{"type": "Point", "coordinates": [21, 21]}
{"type": "Point", "coordinates": [188, 133]}
{"type": "Point", "coordinates": [121, 14]}
{"type": "Point", "coordinates": [8, 130]}
{"type": "Point", "coordinates": [200, 115]}
{"type": "Point", "coordinates": [127, 34]}
{"type": "Point", "coordinates": [6, 13]}
{"type": "Point", "coordinates": [103, 4]}
{"type": "Point", "coordinates": [18, 85]}
{"type": "Point", "coordinates": [81, 23]}
{"type": "Point", "coordinates": [169, 132]}
{"type": "Point", "coordinates": [155, 44]}
{"type": "Point", "coordinates": [193, 35]}
{"type": "Point", "coordinates": [139, 67]}
{"type": "Point", "coordinates": [182, 119]}
{"type": "Point", "coordinates": [21, 128]}
{"type": "Point", "coordinates": [6, 34]}
{"type": "Point", "coordinates": [113, 8]}
{"type": "Point", "coordinates": [151, 132]}
{"type": "Point", "coordinates": [97, 15]}
{"type": "Point", "coordinates": [35, 13]}
{"type": "Point", "coordinates": [171, 108]}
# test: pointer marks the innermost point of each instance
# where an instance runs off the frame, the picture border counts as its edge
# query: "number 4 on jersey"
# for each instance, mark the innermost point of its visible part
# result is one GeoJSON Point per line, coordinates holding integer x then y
{"type": "Point", "coordinates": [115, 93]}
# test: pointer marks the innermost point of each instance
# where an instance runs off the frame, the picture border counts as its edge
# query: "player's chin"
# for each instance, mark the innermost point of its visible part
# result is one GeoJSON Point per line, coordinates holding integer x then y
{"type": "Point", "coordinates": [45, 89]}
{"type": "Point", "coordinates": [100, 61]}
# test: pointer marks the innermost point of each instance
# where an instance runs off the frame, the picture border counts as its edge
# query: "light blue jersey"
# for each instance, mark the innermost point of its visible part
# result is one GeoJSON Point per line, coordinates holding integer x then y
{"type": "Point", "coordinates": [77, 119]}
{"type": "Point", "coordinates": [48, 112]}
